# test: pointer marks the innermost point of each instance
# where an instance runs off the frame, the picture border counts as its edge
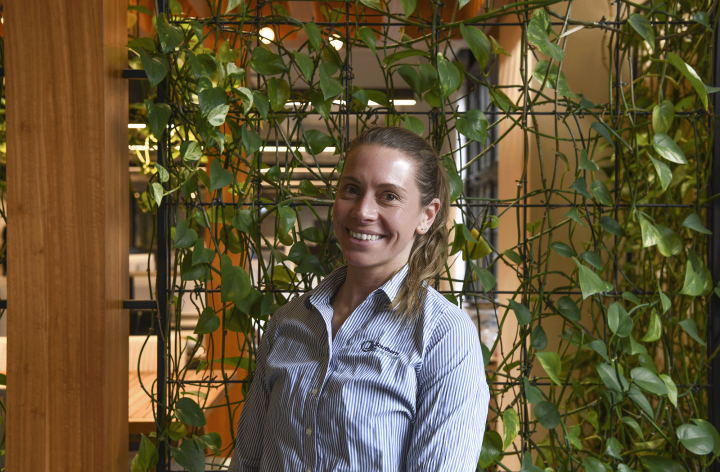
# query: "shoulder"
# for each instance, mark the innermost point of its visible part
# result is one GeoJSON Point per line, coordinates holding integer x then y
{"type": "Point", "coordinates": [296, 307]}
{"type": "Point", "coordinates": [443, 321]}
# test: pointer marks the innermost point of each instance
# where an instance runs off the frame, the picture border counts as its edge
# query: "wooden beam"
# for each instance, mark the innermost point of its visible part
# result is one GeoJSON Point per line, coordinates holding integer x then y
{"type": "Point", "coordinates": [67, 112]}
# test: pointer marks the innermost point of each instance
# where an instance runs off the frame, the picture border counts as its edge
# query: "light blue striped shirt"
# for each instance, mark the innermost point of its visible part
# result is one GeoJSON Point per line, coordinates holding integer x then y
{"type": "Point", "coordinates": [381, 396]}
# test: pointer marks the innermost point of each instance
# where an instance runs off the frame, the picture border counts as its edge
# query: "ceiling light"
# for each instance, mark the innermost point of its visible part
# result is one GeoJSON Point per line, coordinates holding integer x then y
{"type": "Point", "coordinates": [401, 102]}
{"type": "Point", "coordinates": [336, 42]}
{"type": "Point", "coordinates": [136, 125]}
{"type": "Point", "coordinates": [267, 35]}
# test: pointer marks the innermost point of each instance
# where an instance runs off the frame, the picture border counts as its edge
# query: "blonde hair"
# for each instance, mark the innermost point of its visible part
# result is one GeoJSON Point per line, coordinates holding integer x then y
{"type": "Point", "coordinates": [429, 250]}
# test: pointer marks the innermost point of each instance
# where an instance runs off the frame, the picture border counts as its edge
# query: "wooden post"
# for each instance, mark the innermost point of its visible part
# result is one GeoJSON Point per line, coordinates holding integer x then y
{"type": "Point", "coordinates": [67, 114]}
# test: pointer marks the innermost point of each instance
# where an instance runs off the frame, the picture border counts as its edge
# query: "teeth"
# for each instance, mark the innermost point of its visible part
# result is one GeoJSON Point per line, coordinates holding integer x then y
{"type": "Point", "coordinates": [364, 237]}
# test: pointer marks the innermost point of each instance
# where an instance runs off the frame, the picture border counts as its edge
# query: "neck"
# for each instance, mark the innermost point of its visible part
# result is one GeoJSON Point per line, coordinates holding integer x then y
{"type": "Point", "coordinates": [359, 283]}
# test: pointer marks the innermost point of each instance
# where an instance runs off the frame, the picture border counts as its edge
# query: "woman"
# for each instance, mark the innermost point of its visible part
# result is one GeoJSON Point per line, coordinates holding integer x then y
{"type": "Point", "coordinates": [373, 370]}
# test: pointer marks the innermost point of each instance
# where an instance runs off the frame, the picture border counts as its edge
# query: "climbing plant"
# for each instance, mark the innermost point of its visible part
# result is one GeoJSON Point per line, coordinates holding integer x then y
{"type": "Point", "coordinates": [616, 262]}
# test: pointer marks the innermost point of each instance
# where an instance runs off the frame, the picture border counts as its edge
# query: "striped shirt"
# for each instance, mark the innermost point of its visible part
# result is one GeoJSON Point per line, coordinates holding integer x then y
{"type": "Point", "coordinates": [380, 396]}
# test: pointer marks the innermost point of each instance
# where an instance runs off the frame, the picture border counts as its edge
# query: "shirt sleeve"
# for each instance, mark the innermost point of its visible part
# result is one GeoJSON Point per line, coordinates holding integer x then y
{"type": "Point", "coordinates": [249, 438]}
{"type": "Point", "coordinates": [452, 401]}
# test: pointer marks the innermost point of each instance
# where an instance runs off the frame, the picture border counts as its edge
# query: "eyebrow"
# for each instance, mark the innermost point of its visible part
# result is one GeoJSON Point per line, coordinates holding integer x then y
{"type": "Point", "coordinates": [389, 185]}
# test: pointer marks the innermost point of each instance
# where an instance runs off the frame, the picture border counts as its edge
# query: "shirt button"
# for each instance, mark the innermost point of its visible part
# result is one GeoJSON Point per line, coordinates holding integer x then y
{"type": "Point", "coordinates": [314, 391]}
{"type": "Point", "coordinates": [308, 431]}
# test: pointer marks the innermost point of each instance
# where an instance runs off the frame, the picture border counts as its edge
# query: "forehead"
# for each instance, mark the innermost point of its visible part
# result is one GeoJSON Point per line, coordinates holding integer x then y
{"type": "Point", "coordinates": [377, 164]}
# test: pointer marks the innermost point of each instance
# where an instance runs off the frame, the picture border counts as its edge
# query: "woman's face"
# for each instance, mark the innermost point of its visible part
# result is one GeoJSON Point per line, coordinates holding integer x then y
{"type": "Point", "coordinates": [377, 212]}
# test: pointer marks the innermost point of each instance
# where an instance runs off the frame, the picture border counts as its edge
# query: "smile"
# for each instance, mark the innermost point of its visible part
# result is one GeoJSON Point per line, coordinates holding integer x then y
{"type": "Point", "coordinates": [364, 237]}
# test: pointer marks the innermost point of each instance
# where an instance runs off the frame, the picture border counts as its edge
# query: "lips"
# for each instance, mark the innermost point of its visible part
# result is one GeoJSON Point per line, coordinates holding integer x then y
{"type": "Point", "coordinates": [364, 236]}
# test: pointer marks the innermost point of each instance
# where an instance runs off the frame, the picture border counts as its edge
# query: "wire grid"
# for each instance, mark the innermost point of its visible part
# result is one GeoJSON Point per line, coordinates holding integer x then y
{"type": "Point", "coordinates": [166, 211]}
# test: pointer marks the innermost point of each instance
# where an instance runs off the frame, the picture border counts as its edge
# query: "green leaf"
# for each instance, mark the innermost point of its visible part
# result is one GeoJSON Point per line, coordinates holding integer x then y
{"type": "Point", "coordinates": [669, 243]}
{"type": "Point", "coordinates": [654, 331]}
{"type": "Point", "coordinates": [492, 447]}
{"type": "Point", "coordinates": [698, 281]}
{"type": "Point", "coordinates": [287, 217]}
{"type": "Point", "coordinates": [694, 222]}
{"type": "Point", "coordinates": [473, 126]}
{"type": "Point", "coordinates": [202, 65]}
{"type": "Point", "coordinates": [641, 400]}
{"type": "Point", "coordinates": [586, 164]}
{"type": "Point", "coordinates": [692, 76]}
{"type": "Point", "coordinates": [484, 276]}
{"type": "Point", "coordinates": [309, 264]}
{"type": "Point", "coordinates": [317, 141]}
{"type": "Point", "coordinates": [538, 338]}
{"type": "Point", "coordinates": [232, 4]}
{"type": "Point", "coordinates": [612, 380]}
{"type": "Point", "coordinates": [663, 116]}
{"type": "Point", "coordinates": [158, 115]}
{"type": "Point", "coordinates": [592, 258]}
{"type": "Point", "coordinates": [201, 254]}
{"type": "Point", "coordinates": [664, 173]}
{"type": "Point", "coordinates": [210, 98]}
{"type": "Point", "coordinates": [511, 427]}
{"type": "Point", "coordinates": [688, 325]}
{"type": "Point", "coordinates": [590, 283]}
{"type": "Point", "coordinates": [568, 308]}
{"type": "Point", "coordinates": [563, 249]}
{"type": "Point", "coordinates": [527, 465]}
{"type": "Point", "coordinates": [216, 116]}
{"type": "Point", "coordinates": [648, 381]}
{"type": "Point", "coordinates": [634, 425]}
{"type": "Point", "coordinates": [553, 78]}
{"type": "Point", "coordinates": [450, 79]}
{"type": "Point", "coordinates": [404, 54]}
{"type": "Point", "coordinates": [547, 414]}
{"type": "Point", "coordinates": [251, 141]}
{"type": "Point", "coordinates": [532, 393]}
{"type": "Point", "coordinates": [619, 321]}
{"type": "Point", "coordinates": [156, 191]}
{"type": "Point", "coordinates": [170, 36]}
{"type": "Point", "coordinates": [247, 98]}
{"type": "Point", "coordinates": [600, 347]}
{"type": "Point", "coordinates": [710, 429]}
{"type": "Point", "coordinates": [593, 465]}
{"type": "Point", "coordinates": [219, 177]}
{"type": "Point", "coordinates": [671, 388]}
{"type": "Point", "coordinates": [189, 455]}
{"type": "Point", "coordinates": [139, 9]}
{"type": "Point", "coordinates": [156, 66]}
{"type": "Point", "coordinates": [208, 322]}
{"type": "Point", "coordinates": [644, 28]}
{"type": "Point", "coordinates": [696, 439]}
{"type": "Point", "coordinates": [147, 457]}
{"type": "Point", "coordinates": [261, 103]}
{"type": "Point", "coordinates": [306, 65]}
{"type": "Point", "coordinates": [408, 7]}
{"type": "Point", "coordinates": [604, 131]}
{"type": "Point", "coordinates": [235, 281]}
{"type": "Point", "coordinates": [478, 43]}
{"type": "Point", "coordinates": [330, 86]}
{"type": "Point", "coordinates": [278, 91]}
{"type": "Point", "coordinates": [428, 76]}
{"type": "Point", "coordinates": [313, 33]}
{"type": "Point", "coordinates": [308, 188]}
{"type": "Point", "coordinates": [367, 36]}
{"type": "Point", "coordinates": [322, 106]}
{"type": "Point", "coordinates": [667, 148]}
{"type": "Point", "coordinates": [411, 77]}
{"type": "Point", "coordinates": [650, 235]}
{"type": "Point", "coordinates": [185, 236]}
{"type": "Point", "coordinates": [522, 313]}
{"type": "Point", "coordinates": [191, 151]}
{"type": "Point", "coordinates": [702, 18]}
{"type": "Point", "coordinates": [414, 124]}
{"type": "Point", "coordinates": [661, 464]}
{"type": "Point", "coordinates": [267, 63]}
{"type": "Point", "coordinates": [227, 54]}
{"type": "Point", "coordinates": [580, 186]}
{"type": "Point", "coordinates": [610, 225]}
{"type": "Point", "coordinates": [537, 35]}
{"type": "Point", "coordinates": [142, 43]}
{"type": "Point", "coordinates": [601, 193]}
{"type": "Point", "coordinates": [613, 448]}
{"type": "Point", "coordinates": [187, 411]}
{"type": "Point", "coordinates": [456, 182]}
{"type": "Point", "coordinates": [551, 363]}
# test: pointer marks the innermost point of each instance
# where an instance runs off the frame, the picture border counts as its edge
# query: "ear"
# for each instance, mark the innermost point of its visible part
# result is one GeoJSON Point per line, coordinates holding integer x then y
{"type": "Point", "coordinates": [428, 216]}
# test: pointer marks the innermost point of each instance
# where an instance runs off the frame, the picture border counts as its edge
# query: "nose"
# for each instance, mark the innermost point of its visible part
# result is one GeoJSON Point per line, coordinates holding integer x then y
{"type": "Point", "coordinates": [365, 208]}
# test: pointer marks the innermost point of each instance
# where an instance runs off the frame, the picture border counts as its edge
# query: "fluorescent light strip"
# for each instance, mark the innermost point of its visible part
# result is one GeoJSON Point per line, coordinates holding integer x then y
{"type": "Point", "coordinates": [397, 102]}
{"type": "Point", "coordinates": [297, 149]}
{"type": "Point", "coordinates": [136, 125]}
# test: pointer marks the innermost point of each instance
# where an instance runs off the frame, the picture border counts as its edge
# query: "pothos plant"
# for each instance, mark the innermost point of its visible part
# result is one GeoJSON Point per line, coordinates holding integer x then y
{"type": "Point", "coordinates": [623, 389]}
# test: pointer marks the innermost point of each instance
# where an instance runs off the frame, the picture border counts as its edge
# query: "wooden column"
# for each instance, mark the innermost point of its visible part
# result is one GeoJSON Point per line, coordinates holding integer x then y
{"type": "Point", "coordinates": [67, 113]}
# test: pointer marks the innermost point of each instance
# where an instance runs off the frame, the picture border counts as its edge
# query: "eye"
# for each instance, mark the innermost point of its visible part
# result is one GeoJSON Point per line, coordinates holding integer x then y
{"type": "Point", "coordinates": [391, 197]}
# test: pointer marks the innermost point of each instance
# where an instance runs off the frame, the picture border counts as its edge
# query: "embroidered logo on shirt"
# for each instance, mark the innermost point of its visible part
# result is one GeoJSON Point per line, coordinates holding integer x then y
{"type": "Point", "coordinates": [374, 346]}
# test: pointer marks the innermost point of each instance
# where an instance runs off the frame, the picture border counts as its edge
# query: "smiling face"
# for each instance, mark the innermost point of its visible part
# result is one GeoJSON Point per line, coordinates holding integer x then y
{"type": "Point", "coordinates": [378, 212]}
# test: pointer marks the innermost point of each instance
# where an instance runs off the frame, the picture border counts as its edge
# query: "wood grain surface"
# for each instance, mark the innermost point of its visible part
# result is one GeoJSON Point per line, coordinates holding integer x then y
{"type": "Point", "coordinates": [67, 112]}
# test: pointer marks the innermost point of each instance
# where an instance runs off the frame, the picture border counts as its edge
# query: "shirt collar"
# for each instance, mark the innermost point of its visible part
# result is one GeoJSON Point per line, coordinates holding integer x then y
{"type": "Point", "coordinates": [326, 289]}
